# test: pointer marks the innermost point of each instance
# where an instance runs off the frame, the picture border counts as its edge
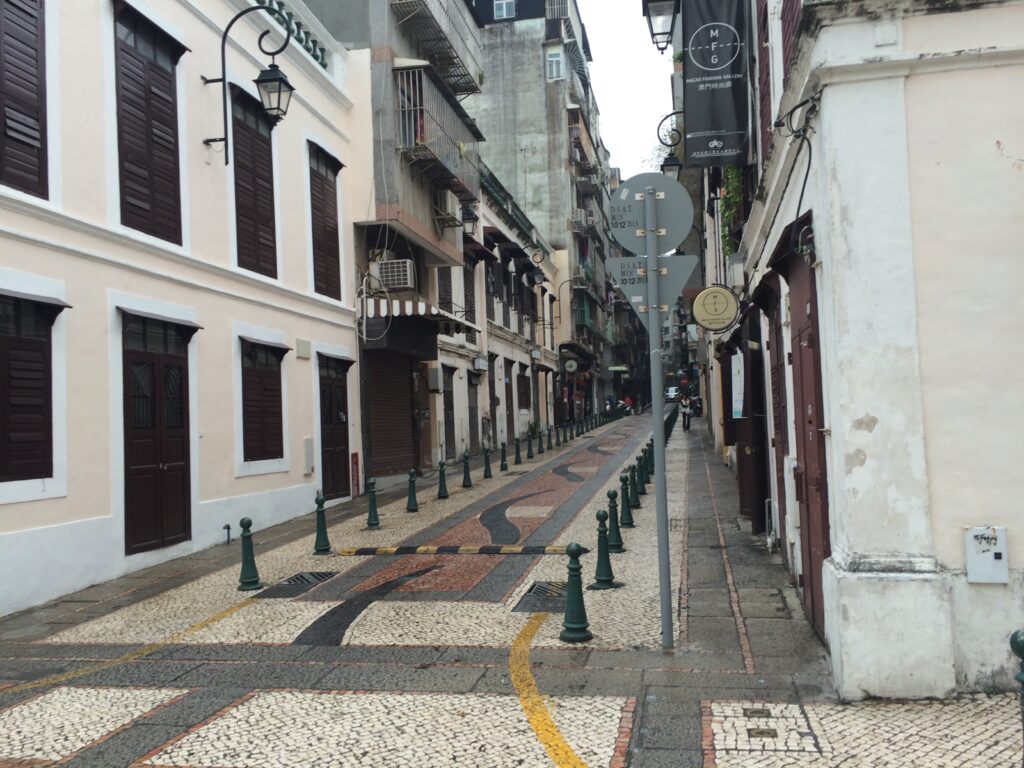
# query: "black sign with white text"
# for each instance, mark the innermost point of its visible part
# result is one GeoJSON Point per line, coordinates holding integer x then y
{"type": "Point", "coordinates": [715, 75]}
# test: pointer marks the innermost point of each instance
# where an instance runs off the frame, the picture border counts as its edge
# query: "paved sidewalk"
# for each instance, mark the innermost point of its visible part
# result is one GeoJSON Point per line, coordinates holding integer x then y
{"type": "Point", "coordinates": [424, 660]}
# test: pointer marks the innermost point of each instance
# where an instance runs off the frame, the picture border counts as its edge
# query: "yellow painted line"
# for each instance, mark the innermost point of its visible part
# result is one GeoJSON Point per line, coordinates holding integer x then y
{"type": "Point", "coordinates": [510, 550]}
{"type": "Point", "coordinates": [138, 653]}
{"type": "Point", "coordinates": [558, 749]}
{"type": "Point", "coordinates": [386, 550]}
{"type": "Point", "coordinates": [428, 550]}
{"type": "Point", "coordinates": [469, 550]}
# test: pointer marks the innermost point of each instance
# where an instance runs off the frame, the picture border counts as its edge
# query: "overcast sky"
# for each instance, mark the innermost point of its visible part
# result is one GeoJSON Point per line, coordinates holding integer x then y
{"type": "Point", "coordinates": [631, 81]}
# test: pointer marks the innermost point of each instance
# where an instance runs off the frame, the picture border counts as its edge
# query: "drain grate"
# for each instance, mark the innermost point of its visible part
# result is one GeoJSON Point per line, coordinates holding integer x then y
{"type": "Point", "coordinates": [762, 733]}
{"type": "Point", "coordinates": [297, 584]}
{"type": "Point", "coordinates": [544, 597]}
{"type": "Point", "coordinates": [759, 712]}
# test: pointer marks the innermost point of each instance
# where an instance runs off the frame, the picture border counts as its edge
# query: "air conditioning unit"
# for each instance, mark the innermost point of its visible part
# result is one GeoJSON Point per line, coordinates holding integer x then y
{"type": "Point", "coordinates": [395, 274]}
{"type": "Point", "coordinates": [576, 156]}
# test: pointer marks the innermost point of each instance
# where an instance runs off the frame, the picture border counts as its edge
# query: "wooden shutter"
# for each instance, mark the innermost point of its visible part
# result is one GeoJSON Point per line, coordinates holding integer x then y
{"type": "Point", "coordinates": [790, 22]}
{"type": "Point", "coordinates": [764, 85]}
{"type": "Point", "coordinates": [262, 428]}
{"type": "Point", "coordinates": [26, 432]}
{"type": "Point", "coordinates": [254, 185]}
{"type": "Point", "coordinates": [147, 127]}
{"type": "Point", "coordinates": [23, 97]}
{"type": "Point", "coordinates": [444, 289]}
{"type": "Point", "coordinates": [323, 194]}
{"type": "Point", "coordinates": [469, 291]}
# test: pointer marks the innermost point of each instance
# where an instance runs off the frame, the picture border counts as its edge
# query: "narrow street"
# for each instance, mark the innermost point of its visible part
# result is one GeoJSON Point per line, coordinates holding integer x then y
{"type": "Point", "coordinates": [437, 660]}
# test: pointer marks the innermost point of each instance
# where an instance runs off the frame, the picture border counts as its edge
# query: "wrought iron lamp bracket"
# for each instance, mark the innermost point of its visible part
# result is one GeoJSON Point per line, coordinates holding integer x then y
{"type": "Point", "coordinates": [671, 133]}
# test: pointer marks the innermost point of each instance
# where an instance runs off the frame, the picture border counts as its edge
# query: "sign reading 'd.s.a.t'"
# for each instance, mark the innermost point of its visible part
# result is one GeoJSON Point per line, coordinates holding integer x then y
{"type": "Point", "coordinates": [630, 274]}
{"type": "Point", "coordinates": [673, 213]}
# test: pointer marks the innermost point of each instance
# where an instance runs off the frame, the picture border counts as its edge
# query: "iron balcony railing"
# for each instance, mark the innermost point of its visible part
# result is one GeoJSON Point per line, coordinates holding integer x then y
{"type": "Point", "coordinates": [446, 35]}
{"type": "Point", "coordinates": [434, 136]}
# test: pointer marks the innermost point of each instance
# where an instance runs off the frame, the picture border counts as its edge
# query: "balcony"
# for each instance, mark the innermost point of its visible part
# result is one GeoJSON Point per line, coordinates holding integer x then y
{"type": "Point", "coordinates": [579, 221]}
{"type": "Point", "coordinates": [581, 145]}
{"type": "Point", "coordinates": [436, 135]}
{"type": "Point", "coordinates": [446, 35]}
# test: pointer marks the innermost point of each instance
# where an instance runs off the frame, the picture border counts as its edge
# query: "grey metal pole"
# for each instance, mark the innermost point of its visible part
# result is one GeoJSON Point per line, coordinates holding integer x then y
{"type": "Point", "coordinates": [658, 414]}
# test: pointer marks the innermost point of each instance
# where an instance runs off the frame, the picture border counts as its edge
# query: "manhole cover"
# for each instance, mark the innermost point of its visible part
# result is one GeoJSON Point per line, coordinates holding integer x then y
{"type": "Point", "coordinates": [759, 712]}
{"type": "Point", "coordinates": [297, 584]}
{"type": "Point", "coordinates": [544, 597]}
{"type": "Point", "coordinates": [762, 733]}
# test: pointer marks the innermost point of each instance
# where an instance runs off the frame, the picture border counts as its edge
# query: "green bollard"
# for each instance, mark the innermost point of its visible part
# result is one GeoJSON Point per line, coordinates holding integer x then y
{"type": "Point", "coordinates": [1017, 646]}
{"type": "Point", "coordinates": [626, 515]}
{"type": "Point", "coordinates": [503, 467]}
{"type": "Point", "coordinates": [550, 446]}
{"type": "Point", "coordinates": [322, 546]}
{"type": "Point", "coordinates": [411, 505]}
{"type": "Point", "coordinates": [614, 534]}
{"type": "Point", "coordinates": [529, 444]}
{"type": "Point", "coordinates": [487, 464]}
{"type": "Point", "coordinates": [603, 576]}
{"type": "Point", "coordinates": [641, 481]}
{"type": "Point", "coordinates": [650, 457]}
{"type": "Point", "coordinates": [519, 456]}
{"type": "Point", "coordinates": [634, 497]}
{"type": "Point", "coordinates": [372, 520]}
{"type": "Point", "coordinates": [540, 440]}
{"type": "Point", "coordinates": [249, 578]}
{"type": "Point", "coordinates": [574, 625]}
{"type": "Point", "coordinates": [558, 435]}
{"type": "Point", "coordinates": [442, 482]}
{"type": "Point", "coordinates": [467, 481]}
{"type": "Point", "coordinates": [572, 430]}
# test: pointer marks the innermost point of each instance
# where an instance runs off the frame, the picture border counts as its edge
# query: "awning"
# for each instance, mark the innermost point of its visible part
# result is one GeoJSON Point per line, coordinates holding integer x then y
{"type": "Point", "coordinates": [164, 319]}
{"type": "Point", "coordinates": [56, 303]}
{"type": "Point", "coordinates": [448, 324]}
{"type": "Point", "coordinates": [276, 345]}
{"type": "Point", "coordinates": [476, 250]}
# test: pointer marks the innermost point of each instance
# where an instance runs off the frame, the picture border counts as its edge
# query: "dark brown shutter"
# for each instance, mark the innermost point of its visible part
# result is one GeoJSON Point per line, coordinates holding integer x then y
{"type": "Point", "coordinates": [764, 86]}
{"type": "Point", "coordinates": [790, 22]}
{"type": "Point", "coordinates": [491, 290]}
{"type": "Point", "coordinates": [147, 127]}
{"type": "Point", "coordinates": [393, 449]}
{"type": "Point", "coordinates": [262, 430]}
{"type": "Point", "coordinates": [323, 194]}
{"type": "Point", "coordinates": [469, 291]}
{"type": "Point", "coordinates": [23, 97]}
{"type": "Point", "coordinates": [523, 385]}
{"type": "Point", "coordinates": [254, 185]}
{"type": "Point", "coordinates": [444, 289]}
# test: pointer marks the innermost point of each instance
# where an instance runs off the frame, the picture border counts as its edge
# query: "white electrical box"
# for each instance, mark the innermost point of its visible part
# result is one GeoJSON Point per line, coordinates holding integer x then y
{"type": "Point", "coordinates": [985, 555]}
{"type": "Point", "coordinates": [308, 463]}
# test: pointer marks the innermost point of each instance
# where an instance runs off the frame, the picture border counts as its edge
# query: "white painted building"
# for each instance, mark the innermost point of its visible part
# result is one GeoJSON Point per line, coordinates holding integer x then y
{"type": "Point", "coordinates": [170, 326]}
{"type": "Point", "coordinates": [893, 434]}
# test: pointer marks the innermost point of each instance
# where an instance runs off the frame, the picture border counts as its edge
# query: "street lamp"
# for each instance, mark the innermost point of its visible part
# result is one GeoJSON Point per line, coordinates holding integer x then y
{"type": "Point", "coordinates": [661, 19]}
{"type": "Point", "coordinates": [274, 88]}
{"type": "Point", "coordinates": [671, 166]}
{"type": "Point", "coordinates": [469, 220]}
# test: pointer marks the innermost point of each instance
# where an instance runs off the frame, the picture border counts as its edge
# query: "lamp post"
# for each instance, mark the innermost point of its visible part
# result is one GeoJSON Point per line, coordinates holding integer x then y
{"type": "Point", "coordinates": [274, 88]}
{"type": "Point", "coordinates": [661, 20]}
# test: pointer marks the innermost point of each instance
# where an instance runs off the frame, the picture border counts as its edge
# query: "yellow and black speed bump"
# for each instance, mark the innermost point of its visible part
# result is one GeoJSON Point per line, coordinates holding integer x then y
{"type": "Point", "coordinates": [452, 550]}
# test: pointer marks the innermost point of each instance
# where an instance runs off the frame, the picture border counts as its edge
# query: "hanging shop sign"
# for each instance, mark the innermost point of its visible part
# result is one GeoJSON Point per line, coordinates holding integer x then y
{"type": "Point", "coordinates": [716, 308]}
{"type": "Point", "coordinates": [716, 77]}
{"type": "Point", "coordinates": [571, 366]}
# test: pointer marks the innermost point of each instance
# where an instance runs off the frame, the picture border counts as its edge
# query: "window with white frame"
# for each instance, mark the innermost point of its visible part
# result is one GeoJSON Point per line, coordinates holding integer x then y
{"type": "Point", "coordinates": [504, 9]}
{"type": "Point", "coordinates": [555, 65]}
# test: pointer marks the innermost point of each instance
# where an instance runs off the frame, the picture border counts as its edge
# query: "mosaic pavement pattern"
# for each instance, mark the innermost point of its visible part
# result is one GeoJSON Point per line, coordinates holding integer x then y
{"type": "Point", "coordinates": [65, 720]}
{"type": "Point", "coordinates": [359, 730]}
{"type": "Point", "coordinates": [976, 731]}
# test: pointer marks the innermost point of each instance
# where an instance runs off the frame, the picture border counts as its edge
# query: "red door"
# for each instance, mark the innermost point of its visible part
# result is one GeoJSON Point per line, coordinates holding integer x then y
{"type": "Point", "coordinates": [780, 418]}
{"type": "Point", "coordinates": [810, 471]}
{"type": "Point", "coordinates": [334, 427]}
{"type": "Point", "coordinates": [156, 443]}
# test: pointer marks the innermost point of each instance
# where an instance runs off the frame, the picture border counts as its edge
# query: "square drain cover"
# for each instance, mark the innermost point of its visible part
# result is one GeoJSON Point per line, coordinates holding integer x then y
{"type": "Point", "coordinates": [760, 712]}
{"type": "Point", "coordinates": [544, 597]}
{"type": "Point", "coordinates": [762, 733]}
{"type": "Point", "coordinates": [297, 584]}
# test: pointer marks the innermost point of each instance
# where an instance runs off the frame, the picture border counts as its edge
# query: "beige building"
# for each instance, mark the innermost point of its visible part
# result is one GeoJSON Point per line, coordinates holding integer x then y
{"type": "Point", "coordinates": [177, 334]}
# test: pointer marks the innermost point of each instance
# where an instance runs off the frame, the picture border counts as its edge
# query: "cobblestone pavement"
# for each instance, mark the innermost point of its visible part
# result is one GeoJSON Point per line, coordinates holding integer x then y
{"type": "Point", "coordinates": [436, 660]}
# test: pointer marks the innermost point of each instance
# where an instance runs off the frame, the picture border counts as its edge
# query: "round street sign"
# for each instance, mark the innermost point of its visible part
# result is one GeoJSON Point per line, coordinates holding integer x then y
{"type": "Point", "coordinates": [571, 366]}
{"type": "Point", "coordinates": [673, 213]}
{"type": "Point", "coordinates": [716, 308]}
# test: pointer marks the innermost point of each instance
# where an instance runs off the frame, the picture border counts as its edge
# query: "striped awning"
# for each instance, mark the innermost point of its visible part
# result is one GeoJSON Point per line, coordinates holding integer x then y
{"type": "Point", "coordinates": [447, 323]}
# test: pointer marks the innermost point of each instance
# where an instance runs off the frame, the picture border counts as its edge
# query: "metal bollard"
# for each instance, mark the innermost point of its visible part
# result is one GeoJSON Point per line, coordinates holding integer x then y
{"type": "Point", "coordinates": [322, 546]}
{"type": "Point", "coordinates": [626, 515]}
{"type": "Point", "coordinates": [641, 482]}
{"type": "Point", "coordinates": [540, 440]}
{"type": "Point", "coordinates": [372, 520]}
{"type": "Point", "coordinates": [634, 497]}
{"type": "Point", "coordinates": [572, 430]}
{"type": "Point", "coordinates": [503, 467]}
{"type": "Point", "coordinates": [558, 435]}
{"type": "Point", "coordinates": [529, 444]}
{"type": "Point", "coordinates": [410, 504]}
{"type": "Point", "coordinates": [614, 534]}
{"type": "Point", "coordinates": [467, 481]}
{"type": "Point", "coordinates": [603, 576]}
{"type": "Point", "coordinates": [442, 481]}
{"type": "Point", "coordinates": [519, 456]}
{"type": "Point", "coordinates": [487, 464]}
{"type": "Point", "coordinates": [550, 447]}
{"type": "Point", "coordinates": [574, 624]}
{"type": "Point", "coordinates": [249, 578]}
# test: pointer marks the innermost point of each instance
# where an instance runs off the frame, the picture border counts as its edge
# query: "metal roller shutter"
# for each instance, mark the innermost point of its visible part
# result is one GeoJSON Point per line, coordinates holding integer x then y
{"type": "Point", "coordinates": [392, 443]}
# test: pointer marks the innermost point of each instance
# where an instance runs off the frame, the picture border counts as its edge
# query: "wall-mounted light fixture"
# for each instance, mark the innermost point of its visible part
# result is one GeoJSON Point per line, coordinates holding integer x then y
{"type": "Point", "coordinates": [661, 20]}
{"type": "Point", "coordinates": [469, 220]}
{"type": "Point", "coordinates": [274, 88]}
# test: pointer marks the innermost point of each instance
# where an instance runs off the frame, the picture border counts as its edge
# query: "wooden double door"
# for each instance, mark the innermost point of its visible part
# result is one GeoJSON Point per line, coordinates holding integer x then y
{"type": "Point", "coordinates": [334, 447]}
{"type": "Point", "coordinates": [156, 434]}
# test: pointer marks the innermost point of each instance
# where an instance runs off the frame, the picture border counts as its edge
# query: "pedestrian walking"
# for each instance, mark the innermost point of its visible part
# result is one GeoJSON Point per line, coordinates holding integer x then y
{"type": "Point", "coordinates": [684, 408]}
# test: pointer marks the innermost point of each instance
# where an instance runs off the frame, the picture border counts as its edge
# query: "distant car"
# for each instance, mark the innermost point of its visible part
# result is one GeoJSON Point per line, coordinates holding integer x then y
{"type": "Point", "coordinates": [671, 394]}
